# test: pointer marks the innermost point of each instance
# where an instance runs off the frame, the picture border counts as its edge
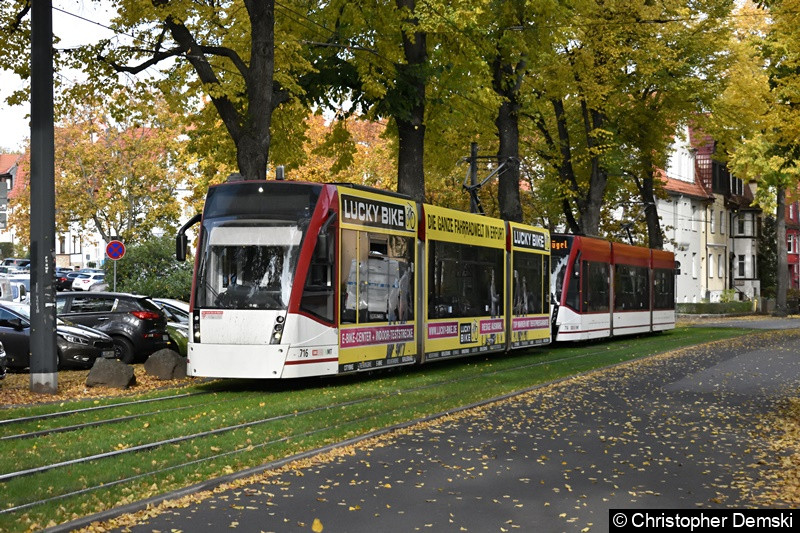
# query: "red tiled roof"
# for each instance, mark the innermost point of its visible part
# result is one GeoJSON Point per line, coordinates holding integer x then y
{"type": "Point", "coordinates": [7, 162]}
{"type": "Point", "coordinates": [682, 187]}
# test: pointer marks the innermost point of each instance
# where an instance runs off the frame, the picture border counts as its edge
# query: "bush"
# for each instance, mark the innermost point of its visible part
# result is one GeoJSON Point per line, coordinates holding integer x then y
{"type": "Point", "coordinates": [150, 268]}
{"type": "Point", "coordinates": [714, 308]}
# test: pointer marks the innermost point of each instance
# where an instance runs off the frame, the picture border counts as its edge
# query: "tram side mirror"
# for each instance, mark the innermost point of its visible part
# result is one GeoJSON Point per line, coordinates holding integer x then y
{"type": "Point", "coordinates": [322, 246]}
{"type": "Point", "coordinates": [181, 242]}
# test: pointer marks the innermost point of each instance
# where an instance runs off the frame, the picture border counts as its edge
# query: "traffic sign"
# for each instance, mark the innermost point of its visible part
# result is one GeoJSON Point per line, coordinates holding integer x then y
{"type": "Point", "coordinates": [115, 250]}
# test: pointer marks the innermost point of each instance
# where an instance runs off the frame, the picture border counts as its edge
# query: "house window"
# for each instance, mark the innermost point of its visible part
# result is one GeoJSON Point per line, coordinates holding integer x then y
{"type": "Point", "coordinates": [754, 274]}
{"type": "Point", "coordinates": [790, 240]}
{"type": "Point", "coordinates": [741, 224]}
{"type": "Point", "coordinates": [694, 265]}
{"type": "Point", "coordinates": [720, 266]}
{"type": "Point", "coordinates": [722, 222]}
{"type": "Point", "coordinates": [710, 266]}
{"type": "Point", "coordinates": [741, 266]}
{"type": "Point", "coordinates": [711, 218]}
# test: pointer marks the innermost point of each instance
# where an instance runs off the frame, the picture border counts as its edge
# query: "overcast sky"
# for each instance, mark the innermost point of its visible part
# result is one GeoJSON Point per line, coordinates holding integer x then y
{"type": "Point", "coordinates": [73, 31]}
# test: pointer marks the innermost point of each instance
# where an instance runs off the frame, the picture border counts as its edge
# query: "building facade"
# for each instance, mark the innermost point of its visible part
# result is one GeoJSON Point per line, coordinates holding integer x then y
{"type": "Point", "coordinates": [710, 223]}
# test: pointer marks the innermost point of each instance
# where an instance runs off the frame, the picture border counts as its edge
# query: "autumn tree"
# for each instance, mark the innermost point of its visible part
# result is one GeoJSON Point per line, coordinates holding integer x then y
{"type": "Point", "coordinates": [222, 53]}
{"type": "Point", "coordinates": [758, 121]}
{"type": "Point", "coordinates": [116, 173]}
{"type": "Point", "coordinates": [376, 56]}
{"type": "Point", "coordinates": [674, 73]}
{"type": "Point", "coordinates": [619, 81]}
{"type": "Point", "coordinates": [349, 150]}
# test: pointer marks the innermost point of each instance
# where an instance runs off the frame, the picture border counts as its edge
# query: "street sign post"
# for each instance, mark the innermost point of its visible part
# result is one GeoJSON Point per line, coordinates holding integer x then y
{"type": "Point", "coordinates": [115, 250]}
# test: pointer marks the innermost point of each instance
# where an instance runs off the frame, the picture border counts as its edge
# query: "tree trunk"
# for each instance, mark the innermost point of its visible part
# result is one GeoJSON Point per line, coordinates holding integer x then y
{"type": "Point", "coordinates": [782, 277]}
{"type": "Point", "coordinates": [506, 81]}
{"type": "Point", "coordinates": [655, 239]}
{"type": "Point", "coordinates": [252, 146]}
{"type": "Point", "coordinates": [410, 118]}
{"type": "Point", "coordinates": [410, 162]}
{"type": "Point", "coordinates": [566, 171]}
{"type": "Point", "coordinates": [598, 179]}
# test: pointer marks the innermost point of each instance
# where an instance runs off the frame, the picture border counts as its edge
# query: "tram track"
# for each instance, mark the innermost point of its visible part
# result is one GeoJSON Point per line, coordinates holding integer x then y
{"type": "Point", "coordinates": [5, 477]}
{"type": "Point", "coordinates": [184, 460]}
{"type": "Point", "coordinates": [57, 414]}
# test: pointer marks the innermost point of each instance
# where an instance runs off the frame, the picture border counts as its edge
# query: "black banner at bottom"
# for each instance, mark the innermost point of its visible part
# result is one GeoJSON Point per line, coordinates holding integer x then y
{"type": "Point", "coordinates": [700, 520]}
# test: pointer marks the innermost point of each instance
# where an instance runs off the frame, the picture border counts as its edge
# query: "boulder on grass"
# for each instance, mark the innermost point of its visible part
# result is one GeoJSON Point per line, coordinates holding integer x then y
{"type": "Point", "coordinates": [110, 373]}
{"type": "Point", "coordinates": [166, 364]}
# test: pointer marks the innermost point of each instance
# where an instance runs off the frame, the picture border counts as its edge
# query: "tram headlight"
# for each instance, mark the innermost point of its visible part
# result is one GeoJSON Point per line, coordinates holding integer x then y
{"type": "Point", "coordinates": [277, 332]}
{"type": "Point", "coordinates": [196, 326]}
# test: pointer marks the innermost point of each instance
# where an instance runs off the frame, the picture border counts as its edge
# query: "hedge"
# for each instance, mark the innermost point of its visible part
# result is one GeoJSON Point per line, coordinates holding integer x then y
{"type": "Point", "coordinates": [714, 308]}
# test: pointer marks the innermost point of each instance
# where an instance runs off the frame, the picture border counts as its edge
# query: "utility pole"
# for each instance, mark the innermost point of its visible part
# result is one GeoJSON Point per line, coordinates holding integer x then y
{"type": "Point", "coordinates": [473, 176]}
{"type": "Point", "coordinates": [44, 363]}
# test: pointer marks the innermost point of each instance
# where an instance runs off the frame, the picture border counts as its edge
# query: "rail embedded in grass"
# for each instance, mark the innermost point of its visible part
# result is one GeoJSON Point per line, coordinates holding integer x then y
{"type": "Point", "coordinates": [302, 421]}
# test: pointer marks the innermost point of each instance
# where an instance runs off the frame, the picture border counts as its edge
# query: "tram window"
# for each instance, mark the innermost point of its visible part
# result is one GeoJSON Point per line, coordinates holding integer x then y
{"type": "Point", "coordinates": [663, 289]}
{"type": "Point", "coordinates": [631, 288]}
{"type": "Point", "coordinates": [464, 280]}
{"type": "Point", "coordinates": [596, 287]}
{"type": "Point", "coordinates": [378, 277]}
{"type": "Point", "coordinates": [529, 283]}
{"type": "Point", "coordinates": [573, 297]}
{"type": "Point", "coordinates": [318, 295]}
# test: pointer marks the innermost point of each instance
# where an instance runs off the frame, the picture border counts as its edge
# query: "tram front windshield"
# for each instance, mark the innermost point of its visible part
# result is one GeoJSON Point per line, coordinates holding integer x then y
{"type": "Point", "coordinates": [250, 245]}
{"type": "Point", "coordinates": [560, 246]}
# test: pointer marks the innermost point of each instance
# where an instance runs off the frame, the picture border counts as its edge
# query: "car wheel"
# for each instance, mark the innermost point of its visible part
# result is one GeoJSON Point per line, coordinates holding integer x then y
{"type": "Point", "coordinates": [123, 350]}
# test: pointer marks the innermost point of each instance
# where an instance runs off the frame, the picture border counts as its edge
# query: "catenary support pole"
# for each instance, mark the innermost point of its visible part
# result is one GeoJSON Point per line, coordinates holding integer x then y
{"type": "Point", "coordinates": [44, 363]}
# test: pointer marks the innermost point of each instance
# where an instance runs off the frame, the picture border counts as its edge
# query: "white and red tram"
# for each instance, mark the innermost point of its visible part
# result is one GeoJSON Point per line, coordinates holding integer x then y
{"type": "Point", "coordinates": [605, 289]}
{"type": "Point", "coordinates": [297, 279]}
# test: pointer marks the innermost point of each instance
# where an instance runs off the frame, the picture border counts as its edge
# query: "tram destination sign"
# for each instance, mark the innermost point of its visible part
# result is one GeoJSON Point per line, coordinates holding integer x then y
{"type": "Point", "coordinates": [375, 213]}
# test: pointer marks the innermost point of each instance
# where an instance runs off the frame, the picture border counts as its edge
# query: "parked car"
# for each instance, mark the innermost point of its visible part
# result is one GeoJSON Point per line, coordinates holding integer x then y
{"type": "Point", "coordinates": [64, 280]}
{"type": "Point", "coordinates": [3, 361]}
{"type": "Point", "coordinates": [14, 261]}
{"type": "Point", "coordinates": [84, 280]}
{"type": "Point", "coordinates": [135, 323]}
{"type": "Point", "coordinates": [77, 346]}
{"type": "Point", "coordinates": [10, 269]}
{"type": "Point", "coordinates": [15, 287]}
{"type": "Point", "coordinates": [177, 312]}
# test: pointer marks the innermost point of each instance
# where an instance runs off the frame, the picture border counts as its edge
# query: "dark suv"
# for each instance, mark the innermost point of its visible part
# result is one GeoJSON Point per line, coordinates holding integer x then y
{"type": "Point", "coordinates": [137, 325]}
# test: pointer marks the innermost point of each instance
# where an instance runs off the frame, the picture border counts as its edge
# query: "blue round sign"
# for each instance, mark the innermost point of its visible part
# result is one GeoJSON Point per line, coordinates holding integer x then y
{"type": "Point", "coordinates": [115, 250]}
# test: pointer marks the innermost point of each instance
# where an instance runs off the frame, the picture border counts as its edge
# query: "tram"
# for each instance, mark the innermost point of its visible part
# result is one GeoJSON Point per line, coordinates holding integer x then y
{"type": "Point", "coordinates": [606, 289]}
{"type": "Point", "coordinates": [296, 279]}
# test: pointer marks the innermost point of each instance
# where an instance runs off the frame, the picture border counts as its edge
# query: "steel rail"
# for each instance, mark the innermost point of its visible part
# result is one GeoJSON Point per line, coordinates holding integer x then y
{"type": "Point", "coordinates": [149, 446]}
{"type": "Point", "coordinates": [58, 414]}
{"type": "Point", "coordinates": [315, 451]}
{"type": "Point", "coordinates": [219, 456]}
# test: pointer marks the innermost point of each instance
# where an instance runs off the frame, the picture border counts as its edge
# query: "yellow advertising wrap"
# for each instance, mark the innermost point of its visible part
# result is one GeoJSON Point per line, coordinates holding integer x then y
{"type": "Point", "coordinates": [530, 285]}
{"type": "Point", "coordinates": [465, 281]}
{"type": "Point", "coordinates": [377, 275]}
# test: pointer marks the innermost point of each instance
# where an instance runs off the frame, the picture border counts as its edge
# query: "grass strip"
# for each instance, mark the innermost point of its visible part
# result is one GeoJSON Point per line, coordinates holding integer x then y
{"type": "Point", "coordinates": [393, 398]}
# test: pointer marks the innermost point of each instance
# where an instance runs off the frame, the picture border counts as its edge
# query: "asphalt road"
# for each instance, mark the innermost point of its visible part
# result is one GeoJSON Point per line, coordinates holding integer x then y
{"type": "Point", "coordinates": [669, 432]}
